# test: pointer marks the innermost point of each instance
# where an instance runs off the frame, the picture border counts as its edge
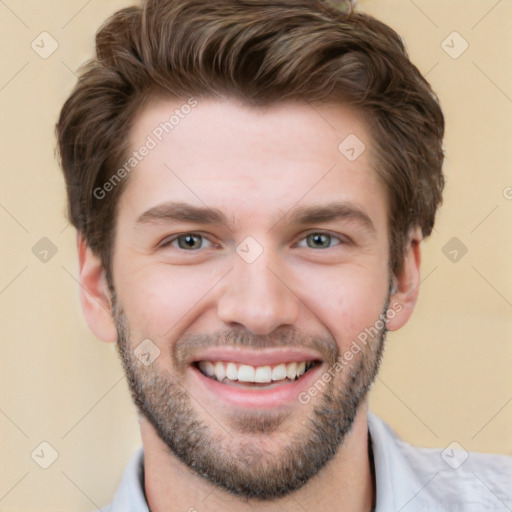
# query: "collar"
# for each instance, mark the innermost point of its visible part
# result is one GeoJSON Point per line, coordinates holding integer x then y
{"type": "Point", "coordinates": [130, 496]}
{"type": "Point", "coordinates": [396, 484]}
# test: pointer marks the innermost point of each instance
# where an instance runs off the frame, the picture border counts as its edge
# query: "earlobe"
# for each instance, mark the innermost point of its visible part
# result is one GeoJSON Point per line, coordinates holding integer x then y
{"type": "Point", "coordinates": [406, 285]}
{"type": "Point", "coordinates": [94, 293]}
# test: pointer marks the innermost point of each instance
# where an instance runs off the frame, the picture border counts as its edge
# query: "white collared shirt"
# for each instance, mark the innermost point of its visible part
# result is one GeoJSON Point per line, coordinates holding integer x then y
{"type": "Point", "coordinates": [408, 479]}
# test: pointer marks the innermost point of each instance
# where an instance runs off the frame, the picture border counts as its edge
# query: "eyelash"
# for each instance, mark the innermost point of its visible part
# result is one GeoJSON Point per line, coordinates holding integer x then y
{"type": "Point", "coordinates": [170, 241]}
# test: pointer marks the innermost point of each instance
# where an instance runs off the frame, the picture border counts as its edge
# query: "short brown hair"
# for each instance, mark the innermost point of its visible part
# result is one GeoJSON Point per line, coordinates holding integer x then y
{"type": "Point", "coordinates": [260, 52]}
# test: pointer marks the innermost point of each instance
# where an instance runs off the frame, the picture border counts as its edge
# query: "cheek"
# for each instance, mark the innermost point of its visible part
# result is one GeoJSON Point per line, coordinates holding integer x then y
{"type": "Point", "coordinates": [348, 302]}
{"type": "Point", "coordinates": [159, 299]}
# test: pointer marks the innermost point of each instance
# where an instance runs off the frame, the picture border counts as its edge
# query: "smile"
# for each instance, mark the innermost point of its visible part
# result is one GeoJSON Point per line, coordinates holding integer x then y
{"type": "Point", "coordinates": [229, 372]}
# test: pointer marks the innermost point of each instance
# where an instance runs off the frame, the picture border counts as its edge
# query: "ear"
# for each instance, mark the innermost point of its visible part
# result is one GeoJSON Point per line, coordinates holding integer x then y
{"type": "Point", "coordinates": [94, 294]}
{"type": "Point", "coordinates": [406, 284]}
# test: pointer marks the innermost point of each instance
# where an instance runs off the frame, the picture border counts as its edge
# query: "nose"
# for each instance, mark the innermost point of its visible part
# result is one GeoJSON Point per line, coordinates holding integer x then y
{"type": "Point", "coordinates": [258, 297]}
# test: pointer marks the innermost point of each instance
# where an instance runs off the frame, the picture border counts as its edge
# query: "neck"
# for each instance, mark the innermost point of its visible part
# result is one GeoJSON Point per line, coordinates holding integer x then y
{"type": "Point", "coordinates": [345, 484]}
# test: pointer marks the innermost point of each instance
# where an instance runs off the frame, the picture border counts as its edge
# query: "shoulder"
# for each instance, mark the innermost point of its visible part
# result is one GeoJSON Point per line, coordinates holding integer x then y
{"type": "Point", "coordinates": [130, 495]}
{"type": "Point", "coordinates": [462, 480]}
{"type": "Point", "coordinates": [440, 479]}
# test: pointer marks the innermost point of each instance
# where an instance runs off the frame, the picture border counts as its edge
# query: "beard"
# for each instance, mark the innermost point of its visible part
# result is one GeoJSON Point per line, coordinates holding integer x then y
{"type": "Point", "coordinates": [243, 464]}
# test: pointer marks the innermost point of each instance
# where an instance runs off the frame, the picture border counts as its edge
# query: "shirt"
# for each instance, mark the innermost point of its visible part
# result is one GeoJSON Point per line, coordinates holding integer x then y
{"type": "Point", "coordinates": [408, 478]}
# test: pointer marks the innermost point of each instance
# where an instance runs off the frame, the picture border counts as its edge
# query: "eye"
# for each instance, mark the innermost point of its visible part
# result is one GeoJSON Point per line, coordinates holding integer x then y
{"type": "Point", "coordinates": [319, 241]}
{"type": "Point", "coordinates": [187, 242]}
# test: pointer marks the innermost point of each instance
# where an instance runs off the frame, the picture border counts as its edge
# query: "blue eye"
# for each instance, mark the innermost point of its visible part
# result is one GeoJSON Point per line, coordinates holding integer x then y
{"type": "Point", "coordinates": [320, 241]}
{"type": "Point", "coordinates": [187, 241]}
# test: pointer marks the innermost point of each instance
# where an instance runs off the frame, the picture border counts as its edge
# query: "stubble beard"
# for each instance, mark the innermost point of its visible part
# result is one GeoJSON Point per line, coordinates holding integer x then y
{"type": "Point", "coordinates": [247, 469]}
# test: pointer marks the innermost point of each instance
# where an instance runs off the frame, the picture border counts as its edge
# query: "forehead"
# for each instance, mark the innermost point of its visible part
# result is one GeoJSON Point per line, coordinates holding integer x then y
{"type": "Point", "coordinates": [250, 162]}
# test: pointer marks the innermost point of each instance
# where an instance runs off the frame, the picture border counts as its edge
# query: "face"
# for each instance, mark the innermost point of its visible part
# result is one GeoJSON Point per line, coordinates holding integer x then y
{"type": "Point", "coordinates": [250, 255]}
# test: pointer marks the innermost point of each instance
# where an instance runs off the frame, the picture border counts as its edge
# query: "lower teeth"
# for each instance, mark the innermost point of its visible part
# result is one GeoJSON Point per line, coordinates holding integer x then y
{"type": "Point", "coordinates": [241, 384]}
{"type": "Point", "coordinates": [255, 384]}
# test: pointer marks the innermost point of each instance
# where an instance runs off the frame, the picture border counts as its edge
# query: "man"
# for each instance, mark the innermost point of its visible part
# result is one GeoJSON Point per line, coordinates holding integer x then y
{"type": "Point", "coordinates": [251, 181]}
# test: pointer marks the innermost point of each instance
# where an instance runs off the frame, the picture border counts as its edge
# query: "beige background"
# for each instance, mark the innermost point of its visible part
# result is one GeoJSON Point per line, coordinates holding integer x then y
{"type": "Point", "coordinates": [446, 376]}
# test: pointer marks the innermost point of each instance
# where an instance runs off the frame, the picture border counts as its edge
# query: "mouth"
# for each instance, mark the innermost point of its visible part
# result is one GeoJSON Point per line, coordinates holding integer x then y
{"type": "Point", "coordinates": [249, 376]}
{"type": "Point", "coordinates": [255, 379]}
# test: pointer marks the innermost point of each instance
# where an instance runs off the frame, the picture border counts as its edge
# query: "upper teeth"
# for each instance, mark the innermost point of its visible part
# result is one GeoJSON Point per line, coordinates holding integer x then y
{"type": "Point", "coordinates": [247, 373]}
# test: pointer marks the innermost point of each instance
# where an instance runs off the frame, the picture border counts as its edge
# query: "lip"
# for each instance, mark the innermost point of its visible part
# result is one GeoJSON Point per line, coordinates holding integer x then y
{"type": "Point", "coordinates": [256, 357]}
{"type": "Point", "coordinates": [257, 398]}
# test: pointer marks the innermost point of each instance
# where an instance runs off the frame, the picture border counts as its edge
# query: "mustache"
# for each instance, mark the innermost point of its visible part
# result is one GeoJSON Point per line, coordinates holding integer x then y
{"type": "Point", "coordinates": [283, 337]}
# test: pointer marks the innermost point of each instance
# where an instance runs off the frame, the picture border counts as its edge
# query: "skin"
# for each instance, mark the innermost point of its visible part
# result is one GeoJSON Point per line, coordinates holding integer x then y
{"type": "Point", "coordinates": [255, 166]}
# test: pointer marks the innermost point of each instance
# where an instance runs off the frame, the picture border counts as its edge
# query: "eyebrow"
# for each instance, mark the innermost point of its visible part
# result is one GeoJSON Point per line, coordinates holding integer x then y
{"type": "Point", "coordinates": [311, 214]}
{"type": "Point", "coordinates": [330, 212]}
{"type": "Point", "coordinates": [183, 212]}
